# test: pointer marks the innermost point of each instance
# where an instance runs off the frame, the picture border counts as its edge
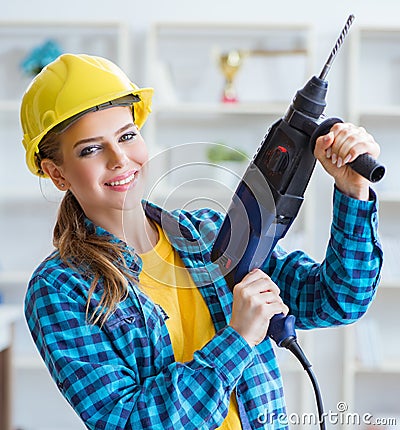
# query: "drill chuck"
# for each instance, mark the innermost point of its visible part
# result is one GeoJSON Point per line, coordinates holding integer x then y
{"type": "Point", "coordinates": [311, 99]}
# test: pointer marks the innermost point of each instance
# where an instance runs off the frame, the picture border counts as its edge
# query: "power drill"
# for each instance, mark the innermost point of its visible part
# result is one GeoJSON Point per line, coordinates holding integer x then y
{"type": "Point", "coordinates": [269, 196]}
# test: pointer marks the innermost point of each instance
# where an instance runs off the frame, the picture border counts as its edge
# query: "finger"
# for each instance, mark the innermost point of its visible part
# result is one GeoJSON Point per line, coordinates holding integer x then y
{"type": "Point", "coordinates": [323, 146]}
{"type": "Point", "coordinates": [350, 142]}
{"type": "Point", "coordinates": [261, 284]}
{"type": "Point", "coordinates": [285, 309]}
{"type": "Point", "coordinates": [276, 309]}
{"type": "Point", "coordinates": [270, 297]}
{"type": "Point", "coordinates": [346, 138]}
{"type": "Point", "coordinates": [341, 133]}
{"type": "Point", "coordinates": [256, 290]}
{"type": "Point", "coordinates": [254, 275]}
{"type": "Point", "coordinates": [359, 144]}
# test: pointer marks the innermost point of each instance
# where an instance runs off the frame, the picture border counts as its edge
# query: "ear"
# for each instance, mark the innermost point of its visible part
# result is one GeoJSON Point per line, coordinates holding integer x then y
{"type": "Point", "coordinates": [54, 172]}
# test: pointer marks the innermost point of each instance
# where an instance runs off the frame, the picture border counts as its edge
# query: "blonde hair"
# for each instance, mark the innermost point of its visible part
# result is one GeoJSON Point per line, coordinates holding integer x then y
{"type": "Point", "coordinates": [84, 250]}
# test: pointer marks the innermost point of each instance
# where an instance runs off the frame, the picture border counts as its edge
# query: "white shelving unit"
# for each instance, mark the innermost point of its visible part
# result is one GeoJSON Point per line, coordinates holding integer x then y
{"type": "Point", "coordinates": [372, 373]}
{"type": "Point", "coordinates": [189, 117]}
{"type": "Point", "coordinates": [28, 206]}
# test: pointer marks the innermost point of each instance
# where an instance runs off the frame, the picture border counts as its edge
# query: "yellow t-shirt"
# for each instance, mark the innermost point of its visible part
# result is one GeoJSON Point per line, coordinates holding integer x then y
{"type": "Point", "coordinates": [168, 283]}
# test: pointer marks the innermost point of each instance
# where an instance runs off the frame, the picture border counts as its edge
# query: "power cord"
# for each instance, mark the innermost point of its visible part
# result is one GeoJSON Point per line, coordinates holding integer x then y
{"type": "Point", "coordinates": [284, 334]}
{"type": "Point", "coordinates": [291, 344]}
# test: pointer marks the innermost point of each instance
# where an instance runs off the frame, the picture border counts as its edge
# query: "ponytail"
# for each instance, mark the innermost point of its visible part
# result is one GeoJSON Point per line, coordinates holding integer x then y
{"type": "Point", "coordinates": [92, 255]}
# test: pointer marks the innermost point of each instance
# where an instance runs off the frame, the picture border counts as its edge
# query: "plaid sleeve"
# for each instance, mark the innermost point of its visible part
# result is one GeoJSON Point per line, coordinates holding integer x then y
{"type": "Point", "coordinates": [341, 288]}
{"type": "Point", "coordinates": [109, 375]}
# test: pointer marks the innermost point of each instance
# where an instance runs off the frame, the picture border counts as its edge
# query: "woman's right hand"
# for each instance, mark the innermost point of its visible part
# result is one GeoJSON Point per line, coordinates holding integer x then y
{"type": "Point", "coordinates": [255, 301]}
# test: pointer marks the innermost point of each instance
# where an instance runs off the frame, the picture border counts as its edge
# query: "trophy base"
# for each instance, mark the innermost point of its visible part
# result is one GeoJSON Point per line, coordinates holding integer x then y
{"type": "Point", "coordinates": [229, 99]}
{"type": "Point", "coordinates": [229, 94]}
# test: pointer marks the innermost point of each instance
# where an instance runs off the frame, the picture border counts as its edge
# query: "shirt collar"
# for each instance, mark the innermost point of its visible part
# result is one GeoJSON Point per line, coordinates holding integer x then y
{"type": "Point", "coordinates": [132, 260]}
{"type": "Point", "coordinates": [170, 222]}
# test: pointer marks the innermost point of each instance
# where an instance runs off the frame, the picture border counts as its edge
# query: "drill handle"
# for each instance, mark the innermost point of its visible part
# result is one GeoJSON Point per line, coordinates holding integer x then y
{"type": "Point", "coordinates": [368, 167]}
{"type": "Point", "coordinates": [364, 164]}
{"type": "Point", "coordinates": [282, 328]}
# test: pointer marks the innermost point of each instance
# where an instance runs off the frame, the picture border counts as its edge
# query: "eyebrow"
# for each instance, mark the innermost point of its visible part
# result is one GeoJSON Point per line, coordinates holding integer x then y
{"type": "Point", "coordinates": [99, 138]}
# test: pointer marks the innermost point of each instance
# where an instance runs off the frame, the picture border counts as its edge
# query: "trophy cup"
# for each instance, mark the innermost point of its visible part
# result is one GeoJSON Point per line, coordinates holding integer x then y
{"type": "Point", "coordinates": [231, 61]}
{"type": "Point", "coordinates": [230, 64]}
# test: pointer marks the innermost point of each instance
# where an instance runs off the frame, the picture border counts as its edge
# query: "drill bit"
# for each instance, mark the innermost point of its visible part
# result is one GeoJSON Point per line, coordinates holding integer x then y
{"type": "Point", "coordinates": [336, 48]}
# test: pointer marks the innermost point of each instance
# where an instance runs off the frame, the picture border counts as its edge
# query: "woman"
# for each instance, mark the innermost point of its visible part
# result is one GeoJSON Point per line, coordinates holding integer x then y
{"type": "Point", "coordinates": [134, 322]}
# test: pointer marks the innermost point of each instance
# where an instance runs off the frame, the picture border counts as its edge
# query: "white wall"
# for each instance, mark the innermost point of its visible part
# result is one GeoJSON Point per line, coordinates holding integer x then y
{"type": "Point", "coordinates": [141, 13]}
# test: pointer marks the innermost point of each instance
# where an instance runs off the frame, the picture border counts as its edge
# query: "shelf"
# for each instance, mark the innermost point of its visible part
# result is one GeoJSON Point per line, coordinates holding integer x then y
{"type": "Point", "coordinates": [185, 65]}
{"type": "Point", "coordinates": [225, 27]}
{"type": "Point", "coordinates": [389, 111]}
{"type": "Point", "coordinates": [374, 30]}
{"type": "Point", "coordinates": [14, 26]}
{"type": "Point", "coordinates": [385, 367]}
{"type": "Point", "coordinates": [28, 362]}
{"type": "Point", "coordinates": [256, 108]}
{"type": "Point", "coordinates": [389, 197]}
{"type": "Point", "coordinates": [21, 196]}
{"type": "Point", "coordinates": [13, 278]}
{"type": "Point", "coordinates": [390, 284]}
{"type": "Point", "coordinates": [9, 314]}
{"type": "Point", "coordinates": [239, 108]}
{"type": "Point", "coordinates": [19, 38]}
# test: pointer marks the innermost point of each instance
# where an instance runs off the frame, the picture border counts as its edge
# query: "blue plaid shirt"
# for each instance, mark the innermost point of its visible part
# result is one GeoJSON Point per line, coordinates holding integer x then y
{"type": "Point", "coordinates": [124, 376]}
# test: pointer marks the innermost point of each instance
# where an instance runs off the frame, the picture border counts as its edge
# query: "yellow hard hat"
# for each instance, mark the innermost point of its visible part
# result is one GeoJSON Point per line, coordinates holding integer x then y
{"type": "Point", "coordinates": [70, 85]}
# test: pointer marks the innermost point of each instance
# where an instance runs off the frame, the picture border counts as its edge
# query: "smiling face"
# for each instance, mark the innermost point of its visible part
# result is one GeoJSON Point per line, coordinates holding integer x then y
{"type": "Point", "coordinates": [103, 157]}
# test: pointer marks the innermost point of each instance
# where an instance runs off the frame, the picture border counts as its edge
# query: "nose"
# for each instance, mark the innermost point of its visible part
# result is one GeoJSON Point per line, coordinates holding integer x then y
{"type": "Point", "coordinates": [117, 158]}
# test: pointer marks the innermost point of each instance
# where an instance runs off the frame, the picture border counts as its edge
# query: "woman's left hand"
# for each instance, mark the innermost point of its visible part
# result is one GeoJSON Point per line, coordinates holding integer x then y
{"type": "Point", "coordinates": [342, 145]}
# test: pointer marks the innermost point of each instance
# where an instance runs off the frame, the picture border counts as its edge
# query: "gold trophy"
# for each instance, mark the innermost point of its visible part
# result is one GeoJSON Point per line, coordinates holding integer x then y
{"type": "Point", "coordinates": [230, 64]}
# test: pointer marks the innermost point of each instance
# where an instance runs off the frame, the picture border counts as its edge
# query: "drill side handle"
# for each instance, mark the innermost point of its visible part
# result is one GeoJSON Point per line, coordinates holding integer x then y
{"type": "Point", "coordinates": [364, 164]}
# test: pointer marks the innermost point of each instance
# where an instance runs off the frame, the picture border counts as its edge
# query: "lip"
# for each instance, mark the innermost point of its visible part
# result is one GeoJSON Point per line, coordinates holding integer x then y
{"type": "Point", "coordinates": [121, 177]}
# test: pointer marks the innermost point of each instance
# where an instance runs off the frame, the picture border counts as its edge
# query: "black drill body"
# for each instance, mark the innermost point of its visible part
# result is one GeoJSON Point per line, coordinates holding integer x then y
{"type": "Point", "coordinates": [270, 194]}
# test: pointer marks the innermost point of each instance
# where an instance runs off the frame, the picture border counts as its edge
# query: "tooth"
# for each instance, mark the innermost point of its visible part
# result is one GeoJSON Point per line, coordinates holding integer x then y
{"type": "Point", "coordinates": [123, 181]}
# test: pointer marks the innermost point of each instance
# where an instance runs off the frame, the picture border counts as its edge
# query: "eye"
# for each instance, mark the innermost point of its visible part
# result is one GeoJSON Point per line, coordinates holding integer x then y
{"type": "Point", "coordinates": [128, 136]}
{"type": "Point", "coordinates": [89, 150]}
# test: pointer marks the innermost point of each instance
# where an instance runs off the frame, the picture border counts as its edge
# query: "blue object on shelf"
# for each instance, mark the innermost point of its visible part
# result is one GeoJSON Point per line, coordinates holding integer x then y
{"type": "Point", "coordinates": [40, 57]}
